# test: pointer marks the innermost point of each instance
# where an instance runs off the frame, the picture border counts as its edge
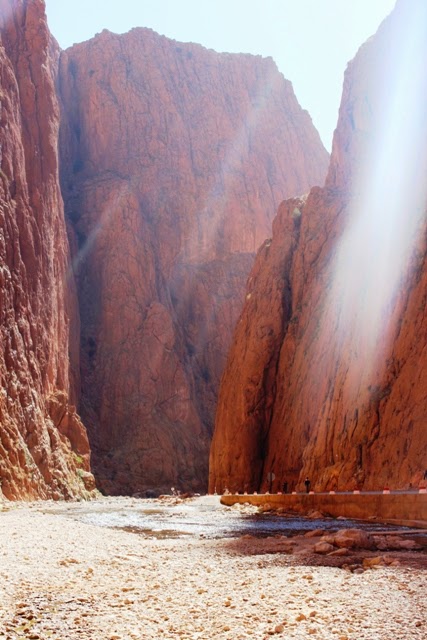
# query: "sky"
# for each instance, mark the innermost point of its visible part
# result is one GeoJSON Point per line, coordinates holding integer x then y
{"type": "Point", "coordinates": [311, 40]}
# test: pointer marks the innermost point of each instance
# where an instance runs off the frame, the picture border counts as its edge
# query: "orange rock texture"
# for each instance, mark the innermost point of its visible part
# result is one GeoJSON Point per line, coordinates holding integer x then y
{"type": "Point", "coordinates": [44, 451]}
{"type": "Point", "coordinates": [327, 374]}
{"type": "Point", "coordinates": [174, 160]}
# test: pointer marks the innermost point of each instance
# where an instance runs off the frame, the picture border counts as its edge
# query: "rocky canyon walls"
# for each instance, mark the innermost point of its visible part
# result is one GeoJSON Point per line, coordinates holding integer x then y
{"type": "Point", "coordinates": [174, 159]}
{"type": "Point", "coordinates": [327, 374]}
{"type": "Point", "coordinates": [44, 451]}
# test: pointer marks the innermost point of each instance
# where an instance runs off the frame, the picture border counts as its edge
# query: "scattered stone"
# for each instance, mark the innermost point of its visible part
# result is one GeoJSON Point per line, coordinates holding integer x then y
{"type": "Point", "coordinates": [265, 508]}
{"type": "Point", "coordinates": [353, 539]}
{"type": "Point", "coordinates": [385, 543]}
{"type": "Point", "coordinates": [315, 515]}
{"type": "Point", "coordinates": [339, 552]}
{"type": "Point", "coordinates": [395, 563]}
{"type": "Point", "coordinates": [329, 538]}
{"type": "Point", "coordinates": [409, 545]}
{"type": "Point", "coordinates": [178, 588]}
{"type": "Point", "coordinates": [368, 563]}
{"type": "Point", "coordinates": [67, 561]}
{"type": "Point", "coordinates": [323, 548]}
{"type": "Point", "coordinates": [315, 533]}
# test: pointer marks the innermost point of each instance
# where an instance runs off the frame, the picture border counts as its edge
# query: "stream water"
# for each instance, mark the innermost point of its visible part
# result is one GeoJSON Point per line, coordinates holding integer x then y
{"type": "Point", "coordinates": [202, 517]}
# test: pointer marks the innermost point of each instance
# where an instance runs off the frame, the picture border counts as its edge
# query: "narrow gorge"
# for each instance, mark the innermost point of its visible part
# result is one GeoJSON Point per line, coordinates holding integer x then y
{"type": "Point", "coordinates": [139, 178]}
{"type": "Point", "coordinates": [173, 160]}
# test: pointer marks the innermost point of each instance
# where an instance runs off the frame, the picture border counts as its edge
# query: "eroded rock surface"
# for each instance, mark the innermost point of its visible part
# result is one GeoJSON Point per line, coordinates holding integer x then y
{"type": "Point", "coordinates": [44, 449]}
{"type": "Point", "coordinates": [327, 374]}
{"type": "Point", "coordinates": [174, 161]}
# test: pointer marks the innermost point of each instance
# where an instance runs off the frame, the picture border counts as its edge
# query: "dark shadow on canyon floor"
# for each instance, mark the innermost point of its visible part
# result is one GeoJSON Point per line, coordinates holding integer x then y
{"type": "Point", "coordinates": [298, 550]}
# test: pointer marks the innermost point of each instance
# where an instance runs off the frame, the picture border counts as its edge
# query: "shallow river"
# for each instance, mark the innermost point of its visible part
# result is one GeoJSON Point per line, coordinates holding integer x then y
{"type": "Point", "coordinates": [202, 517]}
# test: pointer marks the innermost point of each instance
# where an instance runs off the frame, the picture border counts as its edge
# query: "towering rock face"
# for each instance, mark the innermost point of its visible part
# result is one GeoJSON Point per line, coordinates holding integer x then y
{"type": "Point", "coordinates": [44, 449]}
{"type": "Point", "coordinates": [174, 161]}
{"type": "Point", "coordinates": [327, 374]}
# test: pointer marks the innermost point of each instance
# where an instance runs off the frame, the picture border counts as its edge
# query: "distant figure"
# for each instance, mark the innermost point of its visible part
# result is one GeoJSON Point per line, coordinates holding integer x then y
{"type": "Point", "coordinates": [425, 475]}
{"type": "Point", "coordinates": [285, 487]}
{"type": "Point", "coordinates": [307, 485]}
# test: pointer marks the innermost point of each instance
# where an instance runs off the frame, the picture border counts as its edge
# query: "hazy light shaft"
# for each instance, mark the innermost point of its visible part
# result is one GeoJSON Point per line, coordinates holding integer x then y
{"type": "Point", "coordinates": [215, 207]}
{"type": "Point", "coordinates": [389, 187]}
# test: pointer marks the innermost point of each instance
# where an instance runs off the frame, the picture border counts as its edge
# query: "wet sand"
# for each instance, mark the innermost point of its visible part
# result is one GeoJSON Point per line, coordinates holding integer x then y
{"type": "Point", "coordinates": [62, 577]}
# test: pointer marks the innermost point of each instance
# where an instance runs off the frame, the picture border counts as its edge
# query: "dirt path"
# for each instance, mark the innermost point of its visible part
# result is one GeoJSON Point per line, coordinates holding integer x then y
{"type": "Point", "coordinates": [63, 579]}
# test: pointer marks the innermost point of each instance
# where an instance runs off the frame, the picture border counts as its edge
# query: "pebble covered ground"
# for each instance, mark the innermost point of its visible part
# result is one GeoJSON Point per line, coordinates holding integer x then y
{"type": "Point", "coordinates": [64, 579]}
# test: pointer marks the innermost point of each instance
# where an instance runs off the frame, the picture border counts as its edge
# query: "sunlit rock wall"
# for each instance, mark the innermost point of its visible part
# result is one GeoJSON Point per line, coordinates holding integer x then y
{"type": "Point", "coordinates": [44, 449]}
{"type": "Point", "coordinates": [174, 160]}
{"type": "Point", "coordinates": [327, 374]}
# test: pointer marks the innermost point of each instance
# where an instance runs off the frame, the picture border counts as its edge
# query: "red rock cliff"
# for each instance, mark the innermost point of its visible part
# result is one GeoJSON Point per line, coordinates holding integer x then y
{"type": "Point", "coordinates": [44, 449]}
{"type": "Point", "coordinates": [174, 160]}
{"type": "Point", "coordinates": [327, 374]}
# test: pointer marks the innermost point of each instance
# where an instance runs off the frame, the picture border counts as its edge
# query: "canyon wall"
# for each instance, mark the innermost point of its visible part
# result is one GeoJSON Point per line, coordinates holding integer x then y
{"type": "Point", "coordinates": [44, 451]}
{"type": "Point", "coordinates": [174, 160]}
{"type": "Point", "coordinates": [327, 374]}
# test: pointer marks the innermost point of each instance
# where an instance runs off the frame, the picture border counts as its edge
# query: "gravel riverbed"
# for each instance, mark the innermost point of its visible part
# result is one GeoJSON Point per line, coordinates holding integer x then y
{"type": "Point", "coordinates": [69, 571]}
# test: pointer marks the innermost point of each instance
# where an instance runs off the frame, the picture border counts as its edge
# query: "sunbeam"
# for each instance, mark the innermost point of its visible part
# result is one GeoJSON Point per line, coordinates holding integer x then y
{"type": "Point", "coordinates": [389, 187]}
{"type": "Point", "coordinates": [230, 180]}
{"type": "Point", "coordinates": [119, 203]}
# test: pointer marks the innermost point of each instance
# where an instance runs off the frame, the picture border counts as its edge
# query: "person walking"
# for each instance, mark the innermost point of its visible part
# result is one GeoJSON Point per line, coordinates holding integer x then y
{"type": "Point", "coordinates": [307, 485]}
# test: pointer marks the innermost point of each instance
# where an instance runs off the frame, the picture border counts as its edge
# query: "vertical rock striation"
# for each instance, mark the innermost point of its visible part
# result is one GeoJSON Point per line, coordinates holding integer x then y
{"type": "Point", "coordinates": [44, 449]}
{"type": "Point", "coordinates": [327, 373]}
{"type": "Point", "coordinates": [174, 160]}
